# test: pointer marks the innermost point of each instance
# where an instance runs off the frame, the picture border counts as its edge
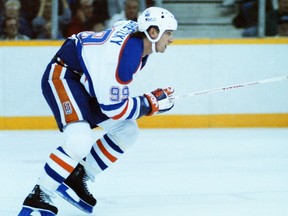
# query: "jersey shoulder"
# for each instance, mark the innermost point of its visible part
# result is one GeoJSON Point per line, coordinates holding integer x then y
{"type": "Point", "coordinates": [130, 60]}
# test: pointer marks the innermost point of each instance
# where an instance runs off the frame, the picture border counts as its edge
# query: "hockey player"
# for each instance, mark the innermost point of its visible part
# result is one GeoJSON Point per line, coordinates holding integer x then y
{"type": "Point", "coordinates": [86, 85]}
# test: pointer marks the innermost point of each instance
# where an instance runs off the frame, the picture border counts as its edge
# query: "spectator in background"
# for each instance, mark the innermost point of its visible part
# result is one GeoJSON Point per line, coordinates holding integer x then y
{"type": "Point", "coordinates": [283, 26]}
{"type": "Point", "coordinates": [12, 10]}
{"type": "Point", "coordinates": [10, 27]}
{"type": "Point", "coordinates": [117, 6]}
{"type": "Point", "coordinates": [1, 7]}
{"type": "Point", "coordinates": [81, 19]}
{"type": "Point", "coordinates": [73, 5]}
{"type": "Point", "coordinates": [277, 20]}
{"type": "Point", "coordinates": [43, 19]}
{"type": "Point", "coordinates": [101, 15]}
{"type": "Point", "coordinates": [151, 3]}
{"type": "Point", "coordinates": [131, 12]}
{"type": "Point", "coordinates": [247, 17]}
{"type": "Point", "coordinates": [89, 16]}
{"type": "Point", "coordinates": [46, 32]}
{"type": "Point", "coordinates": [29, 9]}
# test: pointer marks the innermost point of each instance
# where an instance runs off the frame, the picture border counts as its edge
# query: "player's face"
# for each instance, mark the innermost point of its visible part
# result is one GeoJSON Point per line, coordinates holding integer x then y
{"type": "Point", "coordinates": [164, 41]}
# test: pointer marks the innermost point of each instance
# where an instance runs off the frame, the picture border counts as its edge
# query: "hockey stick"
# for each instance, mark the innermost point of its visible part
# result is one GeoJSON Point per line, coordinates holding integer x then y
{"type": "Point", "coordinates": [210, 91]}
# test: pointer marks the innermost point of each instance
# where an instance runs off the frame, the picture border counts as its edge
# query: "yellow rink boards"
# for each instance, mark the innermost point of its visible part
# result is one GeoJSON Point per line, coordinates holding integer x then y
{"type": "Point", "coordinates": [164, 120]}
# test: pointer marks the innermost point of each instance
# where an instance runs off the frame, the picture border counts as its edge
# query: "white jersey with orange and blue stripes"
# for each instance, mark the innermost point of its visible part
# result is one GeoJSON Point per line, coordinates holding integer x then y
{"type": "Point", "coordinates": [109, 60]}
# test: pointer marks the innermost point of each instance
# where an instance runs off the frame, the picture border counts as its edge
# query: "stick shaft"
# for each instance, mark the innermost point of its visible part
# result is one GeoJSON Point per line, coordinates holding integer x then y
{"type": "Point", "coordinates": [227, 88]}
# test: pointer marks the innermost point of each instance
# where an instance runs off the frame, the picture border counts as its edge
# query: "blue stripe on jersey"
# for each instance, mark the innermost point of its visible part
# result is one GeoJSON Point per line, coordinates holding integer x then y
{"type": "Point", "coordinates": [101, 164]}
{"type": "Point", "coordinates": [53, 174]}
{"type": "Point", "coordinates": [112, 106]}
{"type": "Point", "coordinates": [129, 60]}
{"type": "Point", "coordinates": [62, 151]}
{"type": "Point", "coordinates": [112, 144]}
{"type": "Point", "coordinates": [133, 109]}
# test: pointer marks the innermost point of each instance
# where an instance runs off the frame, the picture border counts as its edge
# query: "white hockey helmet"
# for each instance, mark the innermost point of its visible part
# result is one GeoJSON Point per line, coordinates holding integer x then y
{"type": "Point", "coordinates": [156, 16]}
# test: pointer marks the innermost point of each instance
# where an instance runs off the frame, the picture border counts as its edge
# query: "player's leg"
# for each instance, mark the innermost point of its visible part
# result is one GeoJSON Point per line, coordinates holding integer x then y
{"type": "Point", "coordinates": [105, 151]}
{"type": "Point", "coordinates": [69, 111]}
{"type": "Point", "coordinates": [74, 141]}
{"type": "Point", "coordinates": [109, 148]}
{"type": "Point", "coordinates": [59, 166]}
{"type": "Point", "coordinates": [74, 188]}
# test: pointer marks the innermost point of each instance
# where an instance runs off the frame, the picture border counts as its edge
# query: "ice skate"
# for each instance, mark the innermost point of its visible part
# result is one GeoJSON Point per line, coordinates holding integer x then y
{"type": "Point", "coordinates": [74, 189]}
{"type": "Point", "coordinates": [38, 201]}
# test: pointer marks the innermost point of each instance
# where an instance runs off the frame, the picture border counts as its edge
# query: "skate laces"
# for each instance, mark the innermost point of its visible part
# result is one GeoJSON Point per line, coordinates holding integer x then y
{"type": "Point", "coordinates": [44, 197]}
{"type": "Point", "coordinates": [84, 181]}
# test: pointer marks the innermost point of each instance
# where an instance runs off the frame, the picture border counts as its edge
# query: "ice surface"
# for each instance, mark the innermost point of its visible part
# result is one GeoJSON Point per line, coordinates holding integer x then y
{"type": "Point", "coordinates": [199, 172]}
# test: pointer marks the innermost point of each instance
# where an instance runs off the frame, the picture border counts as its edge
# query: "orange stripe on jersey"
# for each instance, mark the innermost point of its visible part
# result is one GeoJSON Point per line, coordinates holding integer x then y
{"type": "Point", "coordinates": [105, 152]}
{"type": "Point", "coordinates": [69, 111]}
{"type": "Point", "coordinates": [62, 163]}
{"type": "Point", "coordinates": [122, 113]}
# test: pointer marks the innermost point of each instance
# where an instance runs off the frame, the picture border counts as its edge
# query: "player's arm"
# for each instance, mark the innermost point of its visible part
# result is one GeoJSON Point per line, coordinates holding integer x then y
{"type": "Point", "coordinates": [160, 100]}
{"type": "Point", "coordinates": [156, 102]}
{"type": "Point", "coordinates": [119, 105]}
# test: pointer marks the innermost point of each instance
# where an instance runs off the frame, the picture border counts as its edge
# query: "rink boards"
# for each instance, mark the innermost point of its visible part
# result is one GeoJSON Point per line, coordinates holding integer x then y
{"type": "Point", "coordinates": [189, 65]}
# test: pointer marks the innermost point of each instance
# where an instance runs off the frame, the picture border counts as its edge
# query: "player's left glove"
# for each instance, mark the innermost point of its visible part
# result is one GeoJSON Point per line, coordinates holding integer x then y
{"type": "Point", "coordinates": [160, 100]}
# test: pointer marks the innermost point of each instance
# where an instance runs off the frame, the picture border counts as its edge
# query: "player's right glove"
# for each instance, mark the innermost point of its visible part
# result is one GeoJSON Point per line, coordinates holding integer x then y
{"type": "Point", "coordinates": [160, 100]}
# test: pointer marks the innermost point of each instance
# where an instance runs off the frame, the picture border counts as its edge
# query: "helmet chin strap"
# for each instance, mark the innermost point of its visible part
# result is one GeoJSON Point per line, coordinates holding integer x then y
{"type": "Point", "coordinates": [153, 41]}
{"type": "Point", "coordinates": [154, 47]}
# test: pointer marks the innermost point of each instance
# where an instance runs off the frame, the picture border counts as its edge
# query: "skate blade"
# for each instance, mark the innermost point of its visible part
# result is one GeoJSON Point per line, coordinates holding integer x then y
{"type": "Point", "coordinates": [69, 195]}
{"type": "Point", "coordinates": [28, 211]}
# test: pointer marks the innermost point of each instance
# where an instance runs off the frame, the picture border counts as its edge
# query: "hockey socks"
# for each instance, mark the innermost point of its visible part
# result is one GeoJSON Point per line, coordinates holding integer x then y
{"type": "Point", "coordinates": [74, 189]}
{"type": "Point", "coordinates": [103, 154]}
{"type": "Point", "coordinates": [58, 167]}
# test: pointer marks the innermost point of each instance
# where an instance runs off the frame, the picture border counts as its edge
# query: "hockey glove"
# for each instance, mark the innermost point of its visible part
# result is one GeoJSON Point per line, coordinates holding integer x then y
{"type": "Point", "coordinates": [160, 100]}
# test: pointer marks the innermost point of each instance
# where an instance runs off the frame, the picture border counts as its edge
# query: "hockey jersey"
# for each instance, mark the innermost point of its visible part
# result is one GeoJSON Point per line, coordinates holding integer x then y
{"type": "Point", "coordinates": [109, 60]}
